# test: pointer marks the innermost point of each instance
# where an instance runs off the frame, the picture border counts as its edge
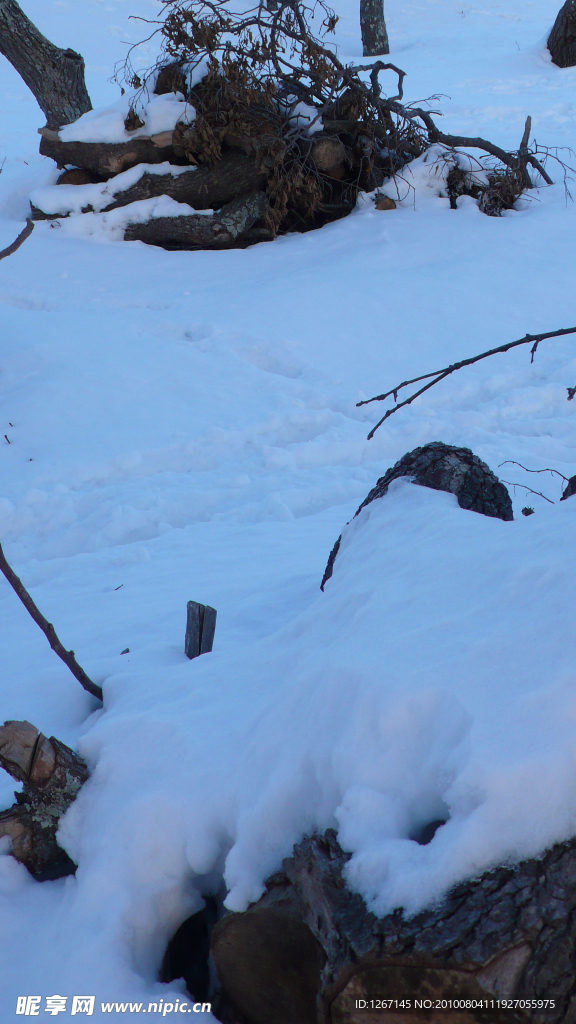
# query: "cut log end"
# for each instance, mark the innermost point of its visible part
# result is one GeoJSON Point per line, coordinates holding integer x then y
{"type": "Point", "coordinates": [52, 774]}
{"type": "Point", "coordinates": [310, 952]}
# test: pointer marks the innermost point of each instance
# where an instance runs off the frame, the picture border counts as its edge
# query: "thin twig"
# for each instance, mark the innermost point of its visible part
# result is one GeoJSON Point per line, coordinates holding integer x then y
{"type": "Point", "coordinates": [512, 462]}
{"type": "Point", "coordinates": [539, 493]}
{"type": "Point", "coordinates": [439, 375]}
{"type": "Point", "coordinates": [48, 629]}
{"type": "Point", "coordinates": [18, 241]}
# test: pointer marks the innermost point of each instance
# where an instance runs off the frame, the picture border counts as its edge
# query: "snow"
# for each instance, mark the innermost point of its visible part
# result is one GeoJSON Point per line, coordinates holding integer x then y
{"type": "Point", "coordinates": [158, 114]}
{"type": "Point", "coordinates": [67, 199]}
{"type": "Point", "coordinates": [184, 426]}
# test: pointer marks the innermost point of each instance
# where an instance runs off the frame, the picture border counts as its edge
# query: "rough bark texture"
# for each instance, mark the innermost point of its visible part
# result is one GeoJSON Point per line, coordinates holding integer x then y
{"type": "Point", "coordinates": [204, 188]}
{"type": "Point", "coordinates": [52, 775]}
{"type": "Point", "coordinates": [443, 467]}
{"type": "Point", "coordinates": [509, 934]}
{"type": "Point", "coordinates": [562, 39]}
{"type": "Point", "coordinates": [373, 27]}
{"type": "Point", "coordinates": [222, 230]}
{"type": "Point", "coordinates": [105, 159]}
{"type": "Point", "coordinates": [55, 76]}
{"type": "Point", "coordinates": [570, 489]}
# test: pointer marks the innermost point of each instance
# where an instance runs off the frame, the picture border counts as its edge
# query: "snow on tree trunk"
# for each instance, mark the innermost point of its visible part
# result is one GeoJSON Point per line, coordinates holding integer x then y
{"type": "Point", "coordinates": [55, 76]}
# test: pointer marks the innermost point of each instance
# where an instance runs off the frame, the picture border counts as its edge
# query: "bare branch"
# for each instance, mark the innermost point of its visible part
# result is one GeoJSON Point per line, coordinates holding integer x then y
{"type": "Point", "coordinates": [48, 629]}
{"type": "Point", "coordinates": [439, 375]}
{"type": "Point", "coordinates": [512, 462]}
{"type": "Point", "coordinates": [524, 487]}
{"type": "Point", "coordinates": [18, 241]}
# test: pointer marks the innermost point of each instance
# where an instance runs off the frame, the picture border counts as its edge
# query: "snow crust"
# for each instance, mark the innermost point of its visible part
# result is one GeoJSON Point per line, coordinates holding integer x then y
{"type": "Point", "coordinates": [106, 124]}
{"type": "Point", "coordinates": [184, 426]}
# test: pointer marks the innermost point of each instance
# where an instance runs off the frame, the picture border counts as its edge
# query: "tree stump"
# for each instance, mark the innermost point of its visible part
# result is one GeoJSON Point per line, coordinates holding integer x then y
{"type": "Point", "coordinates": [52, 774]}
{"type": "Point", "coordinates": [309, 951]}
{"type": "Point", "coordinates": [443, 467]}
{"type": "Point", "coordinates": [562, 39]}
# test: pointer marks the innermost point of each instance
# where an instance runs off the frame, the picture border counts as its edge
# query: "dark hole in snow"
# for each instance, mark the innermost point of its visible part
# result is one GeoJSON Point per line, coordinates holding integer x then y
{"type": "Point", "coordinates": [63, 867]}
{"type": "Point", "coordinates": [188, 952]}
{"type": "Point", "coordinates": [426, 833]}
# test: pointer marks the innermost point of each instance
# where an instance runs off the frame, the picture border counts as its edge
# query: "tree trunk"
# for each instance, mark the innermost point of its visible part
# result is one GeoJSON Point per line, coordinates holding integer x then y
{"type": "Point", "coordinates": [373, 28]}
{"type": "Point", "coordinates": [52, 774]}
{"type": "Point", "coordinates": [562, 39]}
{"type": "Point", "coordinates": [54, 75]}
{"type": "Point", "coordinates": [309, 952]}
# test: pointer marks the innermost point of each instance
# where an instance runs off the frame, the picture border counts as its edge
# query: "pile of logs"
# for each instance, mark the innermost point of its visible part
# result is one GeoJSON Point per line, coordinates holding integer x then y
{"type": "Point", "coordinates": [339, 159]}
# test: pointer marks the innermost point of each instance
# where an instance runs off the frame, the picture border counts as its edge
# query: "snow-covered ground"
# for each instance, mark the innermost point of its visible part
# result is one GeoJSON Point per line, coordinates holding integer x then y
{"type": "Point", "coordinates": [184, 426]}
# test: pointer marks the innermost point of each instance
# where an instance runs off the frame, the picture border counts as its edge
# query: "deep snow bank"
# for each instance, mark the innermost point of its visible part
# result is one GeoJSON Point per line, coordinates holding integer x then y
{"type": "Point", "coordinates": [433, 678]}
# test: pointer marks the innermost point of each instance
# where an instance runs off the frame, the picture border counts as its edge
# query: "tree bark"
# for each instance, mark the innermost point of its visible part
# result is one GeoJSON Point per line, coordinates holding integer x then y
{"type": "Point", "coordinates": [55, 76]}
{"type": "Point", "coordinates": [373, 28]}
{"type": "Point", "coordinates": [562, 39]}
{"type": "Point", "coordinates": [510, 934]}
{"type": "Point", "coordinates": [52, 774]}
{"type": "Point", "coordinates": [106, 159]}
{"type": "Point", "coordinates": [221, 230]}
{"type": "Point", "coordinates": [442, 467]}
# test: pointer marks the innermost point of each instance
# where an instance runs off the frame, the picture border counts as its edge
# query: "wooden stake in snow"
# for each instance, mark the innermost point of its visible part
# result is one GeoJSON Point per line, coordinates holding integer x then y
{"type": "Point", "coordinates": [200, 627]}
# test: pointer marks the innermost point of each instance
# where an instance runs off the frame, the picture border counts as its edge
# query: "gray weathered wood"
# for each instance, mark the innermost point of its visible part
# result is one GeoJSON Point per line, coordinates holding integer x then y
{"type": "Point", "coordinates": [208, 630]}
{"type": "Point", "coordinates": [222, 230]}
{"type": "Point", "coordinates": [200, 627]}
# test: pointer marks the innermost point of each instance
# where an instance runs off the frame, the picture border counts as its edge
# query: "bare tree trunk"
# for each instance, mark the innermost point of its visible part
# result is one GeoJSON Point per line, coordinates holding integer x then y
{"type": "Point", "coordinates": [54, 75]}
{"type": "Point", "coordinates": [373, 27]}
{"type": "Point", "coordinates": [562, 39]}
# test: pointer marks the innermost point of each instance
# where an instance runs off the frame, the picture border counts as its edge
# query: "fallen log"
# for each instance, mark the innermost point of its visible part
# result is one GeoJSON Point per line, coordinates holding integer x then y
{"type": "Point", "coordinates": [52, 774]}
{"type": "Point", "coordinates": [105, 159]}
{"type": "Point", "coordinates": [202, 188]}
{"type": "Point", "coordinates": [443, 467]}
{"type": "Point", "coordinates": [309, 951]}
{"type": "Point", "coordinates": [222, 230]}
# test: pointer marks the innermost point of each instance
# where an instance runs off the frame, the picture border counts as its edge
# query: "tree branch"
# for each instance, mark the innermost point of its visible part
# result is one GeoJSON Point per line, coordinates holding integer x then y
{"type": "Point", "coordinates": [439, 375]}
{"type": "Point", "coordinates": [18, 241]}
{"type": "Point", "coordinates": [48, 629]}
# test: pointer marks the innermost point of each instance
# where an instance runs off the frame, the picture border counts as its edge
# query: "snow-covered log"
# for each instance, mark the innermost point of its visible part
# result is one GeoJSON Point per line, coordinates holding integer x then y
{"type": "Point", "coordinates": [202, 188]}
{"type": "Point", "coordinates": [221, 230]}
{"type": "Point", "coordinates": [443, 467]}
{"type": "Point", "coordinates": [52, 774]}
{"type": "Point", "coordinates": [105, 159]}
{"type": "Point", "coordinates": [310, 952]}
